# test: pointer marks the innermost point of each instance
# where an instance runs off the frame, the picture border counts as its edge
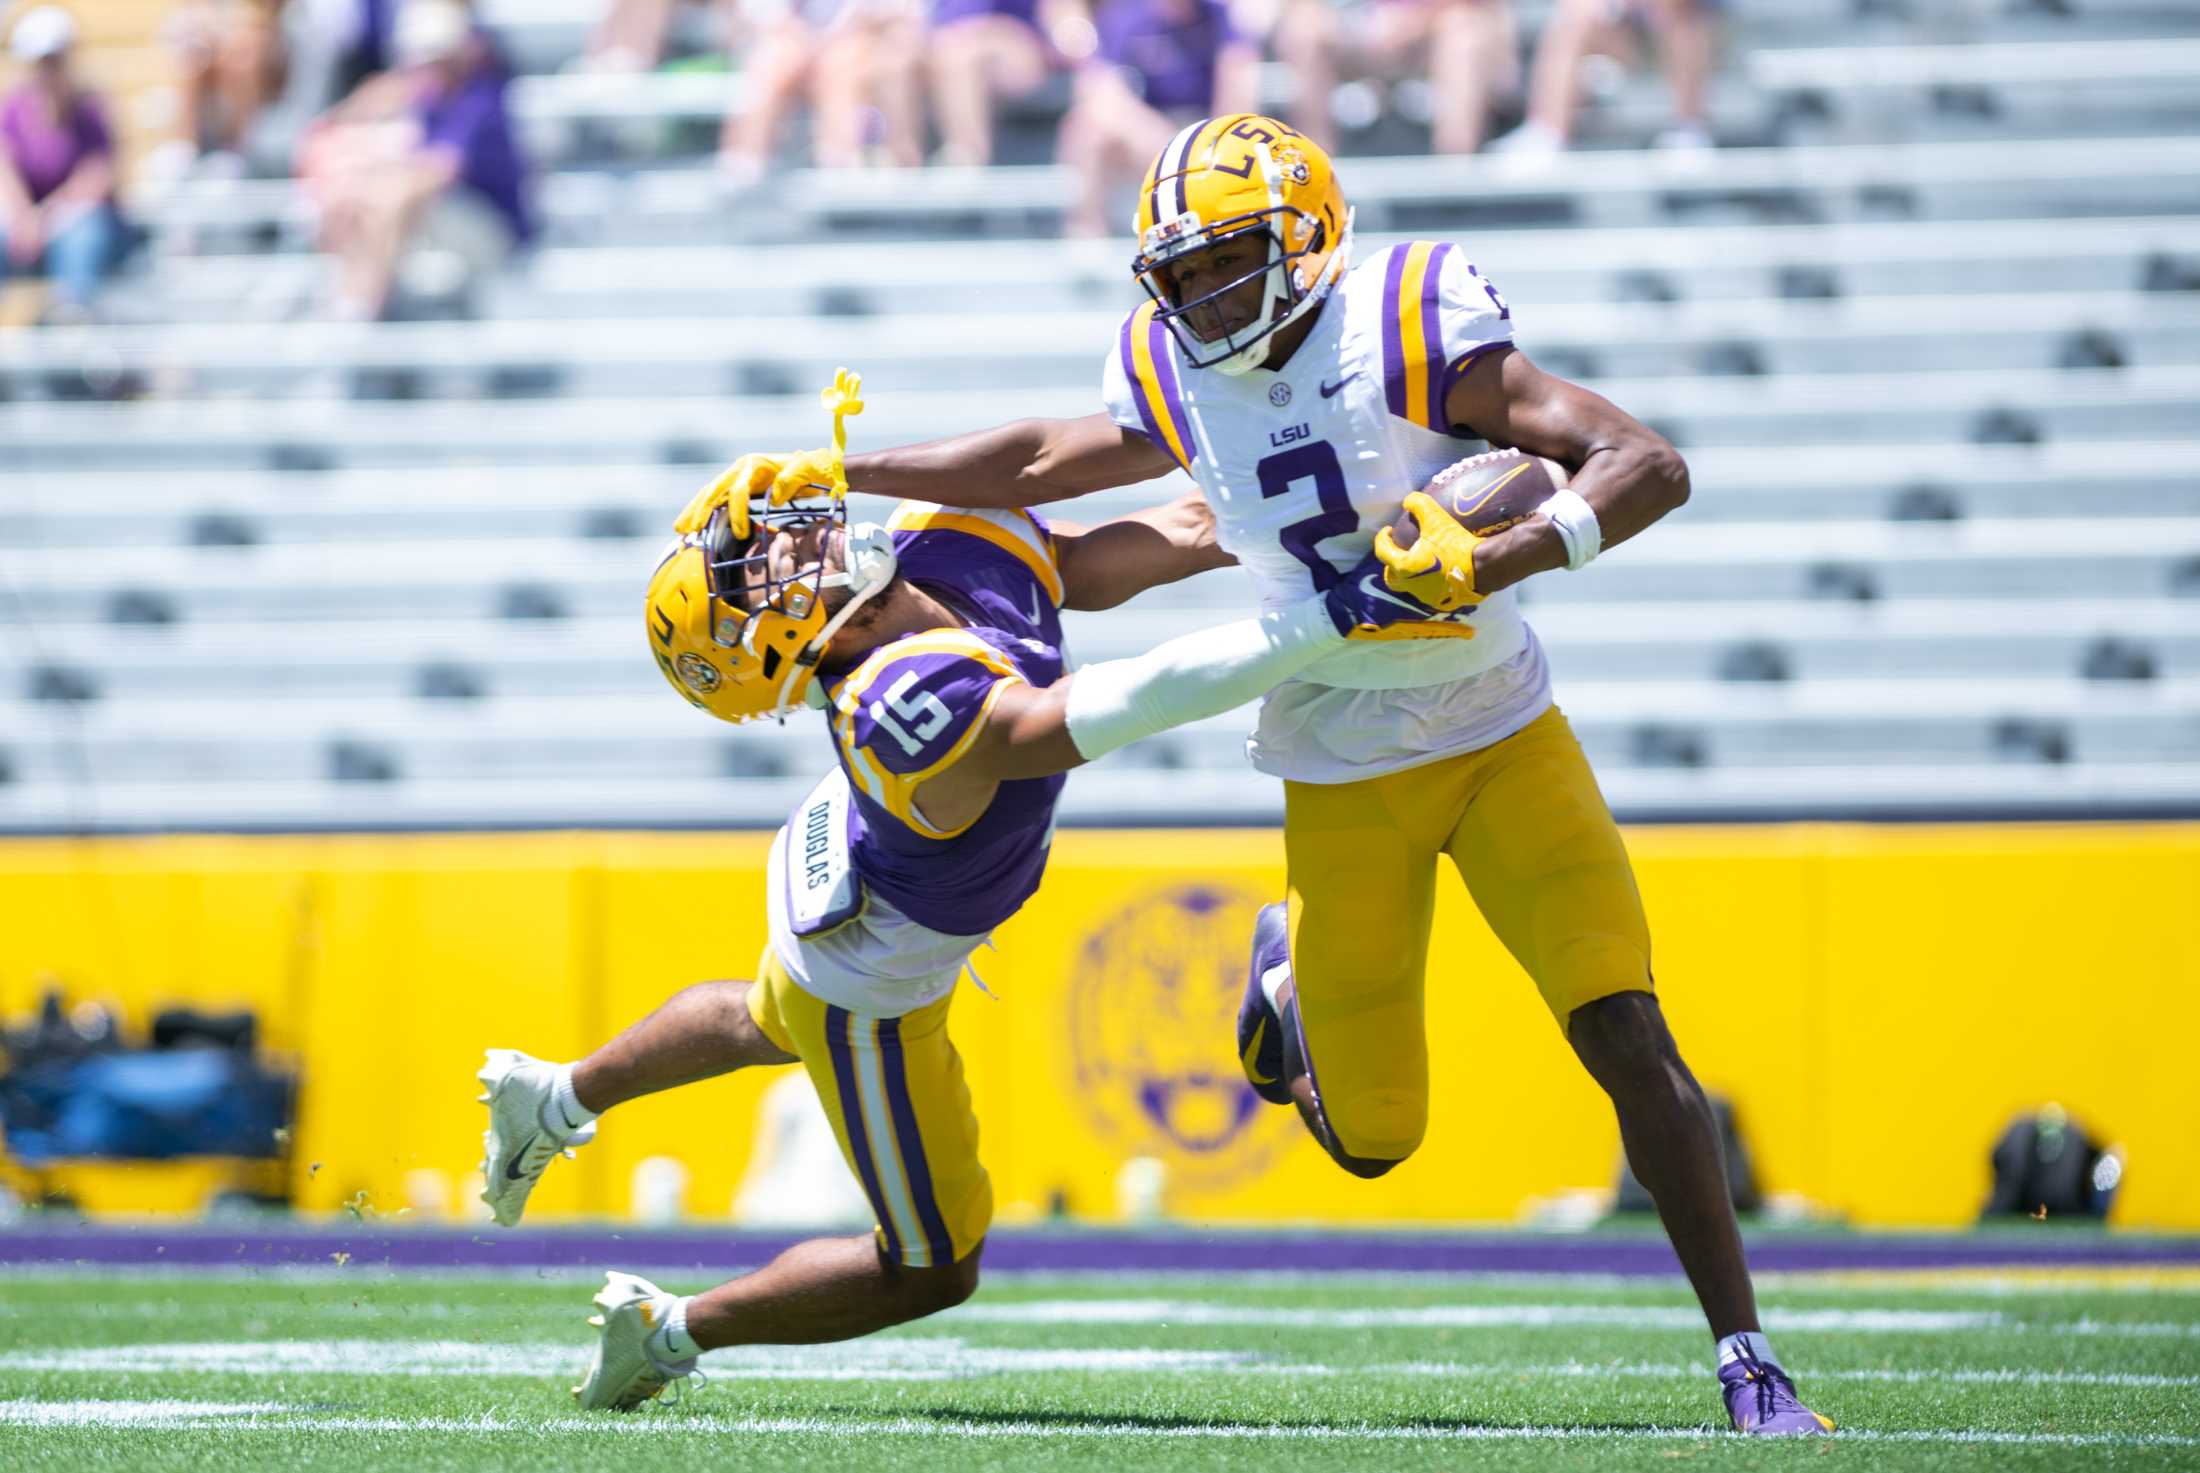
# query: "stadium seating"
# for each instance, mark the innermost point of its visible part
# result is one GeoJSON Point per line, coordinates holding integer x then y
{"type": "Point", "coordinates": [1930, 339]}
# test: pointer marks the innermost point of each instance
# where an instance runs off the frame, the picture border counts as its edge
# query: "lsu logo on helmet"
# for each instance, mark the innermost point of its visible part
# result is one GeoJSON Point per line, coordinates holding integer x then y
{"type": "Point", "coordinates": [740, 641]}
{"type": "Point", "coordinates": [1250, 177]}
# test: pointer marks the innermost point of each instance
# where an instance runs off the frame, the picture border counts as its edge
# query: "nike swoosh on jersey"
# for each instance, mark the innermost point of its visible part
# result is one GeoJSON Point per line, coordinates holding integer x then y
{"type": "Point", "coordinates": [1330, 389]}
{"type": "Point", "coordinates": [1038, 608]}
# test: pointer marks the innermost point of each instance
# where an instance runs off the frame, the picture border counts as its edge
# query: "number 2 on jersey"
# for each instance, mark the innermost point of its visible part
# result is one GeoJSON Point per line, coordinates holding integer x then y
{"type": "Point", "coordinates": [1317, 460]}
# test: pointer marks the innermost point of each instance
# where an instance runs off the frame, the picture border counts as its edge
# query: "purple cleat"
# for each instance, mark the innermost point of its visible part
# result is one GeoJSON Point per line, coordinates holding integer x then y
{"type": "Point", "coordinates": [1761, 1399]}
{"type": "Point", "coordinates": [1260, 1019]}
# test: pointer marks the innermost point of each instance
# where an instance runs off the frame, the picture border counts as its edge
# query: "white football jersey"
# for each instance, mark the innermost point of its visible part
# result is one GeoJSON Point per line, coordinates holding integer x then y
{"type": "Point", "coordinates": [1303, 466]}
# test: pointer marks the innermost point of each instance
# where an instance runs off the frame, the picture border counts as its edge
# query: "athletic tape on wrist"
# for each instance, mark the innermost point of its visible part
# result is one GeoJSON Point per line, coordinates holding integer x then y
{"type": "Point", "coordinates": [1576, 522]}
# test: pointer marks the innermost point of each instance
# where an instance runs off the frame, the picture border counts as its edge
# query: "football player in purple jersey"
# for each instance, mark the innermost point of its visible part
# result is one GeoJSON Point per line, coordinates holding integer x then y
{"type": "Point", "coordinates": [932, 644]}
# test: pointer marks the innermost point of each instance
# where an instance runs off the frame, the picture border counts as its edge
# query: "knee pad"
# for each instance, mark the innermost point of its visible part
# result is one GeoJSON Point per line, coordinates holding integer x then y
{"type": "Point", "coordinates": [1377, 1124]}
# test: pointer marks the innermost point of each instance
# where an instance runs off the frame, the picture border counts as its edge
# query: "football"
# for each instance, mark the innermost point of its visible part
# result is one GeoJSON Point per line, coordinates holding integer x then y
{"type": "Point", "coordinates": [1488, 492]}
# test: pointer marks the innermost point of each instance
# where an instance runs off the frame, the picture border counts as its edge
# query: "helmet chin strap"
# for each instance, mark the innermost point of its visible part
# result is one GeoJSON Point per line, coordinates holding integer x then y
{"type": "Point", "coordinates": [870, 567]}
{"type": "Point", "coordinates": [1276, 287]}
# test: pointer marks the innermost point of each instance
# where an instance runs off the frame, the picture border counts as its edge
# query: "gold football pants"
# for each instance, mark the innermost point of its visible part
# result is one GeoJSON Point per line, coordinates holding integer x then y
{"type": "Point", "coordinates": [1529, 832]}
{"type": "Point", "coordinates": [893, 1089]}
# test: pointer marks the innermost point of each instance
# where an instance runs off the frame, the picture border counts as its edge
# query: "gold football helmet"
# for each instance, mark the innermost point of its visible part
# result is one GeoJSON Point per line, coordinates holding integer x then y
{"type": "Point", "coordinates": [734, 637]}
{"type": "Point", "coordinates": [1242, 174]}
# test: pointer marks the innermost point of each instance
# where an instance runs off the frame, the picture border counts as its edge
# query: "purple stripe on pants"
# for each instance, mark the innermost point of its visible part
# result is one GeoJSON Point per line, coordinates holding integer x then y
{"type": "Point", "coordinates": [839, 1040]}
{"type": "Point", "coordinates": [903, 1109]}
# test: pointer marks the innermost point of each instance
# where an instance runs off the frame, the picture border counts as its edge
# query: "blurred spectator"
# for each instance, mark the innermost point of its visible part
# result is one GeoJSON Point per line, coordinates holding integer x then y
{"type": "Point", "coordinates": [1466, 48]}
{"type": "Point", "coordinates": [858, 60]}
{"type": "Point", "coordinates": [329, 47]}
{"type": "Point", "coordinates": [367, 30]}
{"type": "Point", "coordinates": [1687, 39]}
{"type": "Point", "coordinates": [230, 56]}
{"type": "Point", "coordinates": [57, 183]}
{"type": "Point", "coordinates": [633, 34]}
{"type": "Point", "coordinates": [422, 156]}
{"type": "Point", "coordinates": [1158, 65]}
{"type": "Point", "coordinates": [982, 50]}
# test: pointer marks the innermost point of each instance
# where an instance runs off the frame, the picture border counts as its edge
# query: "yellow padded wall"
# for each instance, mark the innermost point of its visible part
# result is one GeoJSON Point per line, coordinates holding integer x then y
{"type": "Point", "coordinates": [1877, 1000]}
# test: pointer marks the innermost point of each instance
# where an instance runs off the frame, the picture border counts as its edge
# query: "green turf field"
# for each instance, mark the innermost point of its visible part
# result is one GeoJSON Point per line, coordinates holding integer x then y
{"type": "Point", "coordinates": [349, 1369]}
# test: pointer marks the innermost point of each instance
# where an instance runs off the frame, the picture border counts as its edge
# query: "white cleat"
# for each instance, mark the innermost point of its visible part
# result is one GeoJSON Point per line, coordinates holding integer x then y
{"type": "Point", "coordinates": [518, 1146]}
{"type": "Point", "coordinates": [624, 1373]}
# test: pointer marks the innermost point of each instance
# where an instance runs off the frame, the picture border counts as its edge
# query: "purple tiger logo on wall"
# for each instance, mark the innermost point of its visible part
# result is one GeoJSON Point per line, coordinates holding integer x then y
{"type": "Point", "coordinates": [1152, 1008]}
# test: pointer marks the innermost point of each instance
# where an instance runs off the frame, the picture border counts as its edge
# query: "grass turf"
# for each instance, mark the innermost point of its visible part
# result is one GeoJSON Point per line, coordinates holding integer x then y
{"type": "Point", "coordinates": [354, 1368]}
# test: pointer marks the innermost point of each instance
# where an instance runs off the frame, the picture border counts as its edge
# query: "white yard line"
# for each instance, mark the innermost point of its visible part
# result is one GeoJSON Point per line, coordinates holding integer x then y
{"type": "Point", "coordinates": [2136, 1329]}
{"type": "Point", "coordinates": [129, 1413]}
{"type": "Point", "coordinates": [930, 1358]}
{"type": "Point", "coordinates": [191, 1416]}
{"type": "Point", "coordinates": [1992, 1283]}
{"type": "Point", "coordinates": [924, 1358]}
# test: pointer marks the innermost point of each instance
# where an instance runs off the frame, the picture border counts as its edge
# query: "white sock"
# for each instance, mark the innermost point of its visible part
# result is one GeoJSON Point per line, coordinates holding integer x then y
{"type": "Point", "coordinates": [671, 1340]}
{"type": "Point", "coordinates": [1751, 1343]}
{"type": "Point", "coordinates": [563, 1112]}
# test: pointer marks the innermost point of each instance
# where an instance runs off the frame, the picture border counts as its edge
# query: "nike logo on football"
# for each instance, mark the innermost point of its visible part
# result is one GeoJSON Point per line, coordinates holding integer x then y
{"type": "Point", "coordinates": [1329, 390]}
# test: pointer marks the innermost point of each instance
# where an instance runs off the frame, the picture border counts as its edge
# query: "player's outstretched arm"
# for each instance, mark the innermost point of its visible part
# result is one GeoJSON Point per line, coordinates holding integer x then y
{"type": "Point", "coordinates": [1629, 474]}
{"type": "Point", "coordinates": [1118, 560]}
{"type": "Point", "coordinates": [1027, 462]}
{"type": "Point", "coordinates": [1085, 715]}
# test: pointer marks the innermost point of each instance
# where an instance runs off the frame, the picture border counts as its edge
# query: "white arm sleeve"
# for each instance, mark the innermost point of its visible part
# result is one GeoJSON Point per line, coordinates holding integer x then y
{"type": "Point", "coordinates": [1115, 702]}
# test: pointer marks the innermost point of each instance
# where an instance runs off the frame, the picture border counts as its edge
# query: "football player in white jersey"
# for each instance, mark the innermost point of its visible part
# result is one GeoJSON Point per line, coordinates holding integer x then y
{"type": "Point", "coordinates": [1309, 398]}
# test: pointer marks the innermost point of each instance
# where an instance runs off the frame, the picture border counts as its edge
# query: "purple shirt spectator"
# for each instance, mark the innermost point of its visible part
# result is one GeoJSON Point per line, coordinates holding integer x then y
{"type": "Point", "coordinates": [947, 12]}
{"type": "Point", "coordinates": [44, 153]}
{"type": "Point", "coordinates": [473, 122]}
{"type": "Point", "coordinates": [1167, 48]}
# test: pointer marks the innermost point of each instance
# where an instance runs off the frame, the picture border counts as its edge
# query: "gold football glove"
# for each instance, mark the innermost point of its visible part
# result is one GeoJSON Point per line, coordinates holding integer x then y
{"type": "Point", "coordinates": [825, 470]}
{"type": "Point", "coordinates": [810, 473]}
{"type": "Point", "coordinates": [747, 476]}
{"type": "Point", "coordinates": [1438, 569]}
{"type": "Point", "coordinates": [790, 475]}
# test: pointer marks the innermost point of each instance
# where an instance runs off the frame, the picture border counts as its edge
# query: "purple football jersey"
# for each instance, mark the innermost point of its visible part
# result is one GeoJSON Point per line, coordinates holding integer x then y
{"type": "Point", "coordinates": [913, 707]}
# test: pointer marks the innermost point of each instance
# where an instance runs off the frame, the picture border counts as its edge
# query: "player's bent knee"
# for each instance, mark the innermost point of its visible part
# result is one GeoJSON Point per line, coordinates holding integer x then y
{"type": "Point", "coordinates": [928, 1291]}
{"type": "Point", "coordinates": [1366, 1168]}
{"type": "Point", "coordinates": [1624, 1043]}
{"type": "Point", "coordinates": [1374, 1131]}
{"type": "Point", "coordinates": [1624, 1026]}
